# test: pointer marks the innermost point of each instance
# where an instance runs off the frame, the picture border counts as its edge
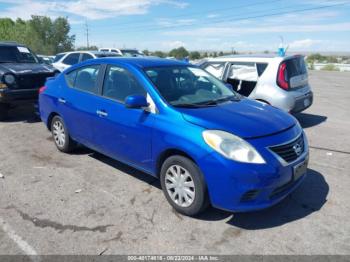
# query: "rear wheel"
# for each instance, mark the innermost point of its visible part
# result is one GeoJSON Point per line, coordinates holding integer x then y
{"type": "Point", "coordinates": [3, 111]}
{"type": "Point", "coordinates": [61, 136]}
{"type": "Point", "coordinates": [184, 186]}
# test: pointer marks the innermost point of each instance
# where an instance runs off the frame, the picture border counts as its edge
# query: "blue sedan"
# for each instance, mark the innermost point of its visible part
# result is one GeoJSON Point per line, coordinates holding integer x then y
{"type": "Point", "coordinates": [176, 122]}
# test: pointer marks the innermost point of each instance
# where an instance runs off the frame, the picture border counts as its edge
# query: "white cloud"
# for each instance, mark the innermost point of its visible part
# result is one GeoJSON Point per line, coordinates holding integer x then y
{"type": "Point", "coordinates": [172, 44]}
{"type": "Point", "coordinates": [164, 22]}
{"type": "Point", "coordinates": [234, 30]}
{"type": "Point", "coordinates": [303, 44]}
{"type": "Point", "coordinates": [91, 9]}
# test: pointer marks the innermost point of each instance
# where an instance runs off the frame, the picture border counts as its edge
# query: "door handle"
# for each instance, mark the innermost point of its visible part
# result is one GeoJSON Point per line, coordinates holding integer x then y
{"type": "Point", "coordinates": [102, 113]}
{"type": "Point", "coordinates": [62, 100]}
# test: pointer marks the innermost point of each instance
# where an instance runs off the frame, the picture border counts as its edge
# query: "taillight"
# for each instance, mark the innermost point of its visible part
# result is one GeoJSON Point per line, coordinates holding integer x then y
{"type": "Point", "coordinates": [42, 89]}
{"type": "Point", "coordinates": [281, 77]}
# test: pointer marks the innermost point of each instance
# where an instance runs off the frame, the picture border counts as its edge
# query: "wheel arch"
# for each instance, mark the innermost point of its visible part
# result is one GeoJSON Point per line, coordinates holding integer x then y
{"type": "Point", "coordinates": [49, 119]}
{"type": "Point", "coordinates": [168, 153]}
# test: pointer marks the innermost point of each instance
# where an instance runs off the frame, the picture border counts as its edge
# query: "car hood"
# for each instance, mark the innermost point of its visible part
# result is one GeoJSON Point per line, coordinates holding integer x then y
{"type": "Point", "coordinates": [245, 118]}
{"type": "Point", "coordinates": [25, 68]}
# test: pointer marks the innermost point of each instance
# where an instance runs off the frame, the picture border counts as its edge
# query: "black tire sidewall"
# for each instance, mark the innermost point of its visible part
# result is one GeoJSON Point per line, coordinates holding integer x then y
{"type": "Point", "coordinates": [201, 196]}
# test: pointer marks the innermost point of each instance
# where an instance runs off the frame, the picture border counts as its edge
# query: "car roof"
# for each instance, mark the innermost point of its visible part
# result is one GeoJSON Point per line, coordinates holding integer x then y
{"type": "Point", "coordinates": [142, 62]}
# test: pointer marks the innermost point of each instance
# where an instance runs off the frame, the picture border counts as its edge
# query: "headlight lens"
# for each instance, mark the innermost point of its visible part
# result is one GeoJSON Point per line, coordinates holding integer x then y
{"type": "Point", "coordinates": [232, 147]}
{"type": "Point", "coordinates": [9, 79]}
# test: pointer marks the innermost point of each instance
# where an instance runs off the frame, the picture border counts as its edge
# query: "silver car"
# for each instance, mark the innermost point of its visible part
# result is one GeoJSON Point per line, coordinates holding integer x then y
{"type": "Point", "coordinates": [279, 81]}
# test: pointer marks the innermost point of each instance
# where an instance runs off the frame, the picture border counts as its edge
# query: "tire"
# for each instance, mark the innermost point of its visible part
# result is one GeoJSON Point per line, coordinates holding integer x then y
{"type": "Point", "coordinates": [190, 196]}
{"type": "Point", "coordinates": [61, 135]}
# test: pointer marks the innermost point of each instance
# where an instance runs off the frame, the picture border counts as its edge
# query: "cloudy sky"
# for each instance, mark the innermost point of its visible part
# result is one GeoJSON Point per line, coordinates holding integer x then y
{"type": "Point", "coordinates": [305, 25]}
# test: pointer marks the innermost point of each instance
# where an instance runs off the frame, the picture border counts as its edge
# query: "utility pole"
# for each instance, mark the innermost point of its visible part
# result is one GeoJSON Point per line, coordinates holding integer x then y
{"type": "Point", "coordinates": [87, 34]}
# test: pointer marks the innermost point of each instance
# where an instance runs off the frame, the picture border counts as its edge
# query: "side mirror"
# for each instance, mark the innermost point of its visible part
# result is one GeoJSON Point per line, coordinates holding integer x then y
{"type": "Point", "coordinates": [136, 102]}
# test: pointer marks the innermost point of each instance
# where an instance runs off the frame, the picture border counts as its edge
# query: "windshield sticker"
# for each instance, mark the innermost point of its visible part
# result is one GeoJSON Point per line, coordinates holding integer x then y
{"type": "Point", "coordinates": [23, 49]}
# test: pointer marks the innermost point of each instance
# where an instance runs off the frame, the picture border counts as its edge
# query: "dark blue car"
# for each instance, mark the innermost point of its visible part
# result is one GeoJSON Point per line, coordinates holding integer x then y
{"type": "Point", "coordinates": [177, 122]}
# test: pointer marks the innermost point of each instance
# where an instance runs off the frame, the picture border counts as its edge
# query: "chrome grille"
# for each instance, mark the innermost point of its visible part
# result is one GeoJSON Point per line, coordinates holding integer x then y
{"type": "Point", "coordinates": [290, 151]}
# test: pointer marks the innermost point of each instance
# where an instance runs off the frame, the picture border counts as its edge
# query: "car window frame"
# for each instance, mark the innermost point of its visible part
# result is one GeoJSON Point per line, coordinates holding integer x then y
{"type": "Point", "coordinates": [98, 79]}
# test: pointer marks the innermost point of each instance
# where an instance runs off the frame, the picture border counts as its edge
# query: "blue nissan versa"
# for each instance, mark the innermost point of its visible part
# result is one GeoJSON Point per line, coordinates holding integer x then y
{"type": "Point", "coordinates": [175, 121]}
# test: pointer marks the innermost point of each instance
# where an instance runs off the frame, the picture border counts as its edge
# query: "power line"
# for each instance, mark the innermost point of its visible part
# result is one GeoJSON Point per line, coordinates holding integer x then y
{"type": "Point", "coordinates": [147, 21]}
{"type": "Point", "coordinates": [239, 19]}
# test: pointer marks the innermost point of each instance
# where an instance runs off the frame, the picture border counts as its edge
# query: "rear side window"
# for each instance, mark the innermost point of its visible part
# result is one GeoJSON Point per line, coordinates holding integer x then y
{"type": "Point", "coordinates": [216, 69]}
{"type": "Point", "coordinates": [86, 57]}
{"type": "Point", "coordinates": [84, 79]}
{"type": "Point", "coordinates": [119, 83]}
{"type": "Point", "coordinates": [260, 67]}
{"type": "Point", "coordinates": [295, 66]}
{"type": "Point", "coordinates": [72, 59]}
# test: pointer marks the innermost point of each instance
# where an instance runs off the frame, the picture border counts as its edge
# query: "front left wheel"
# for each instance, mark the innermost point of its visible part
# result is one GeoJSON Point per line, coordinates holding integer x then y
{"type": "Point", "coordinates": [184, 186]}
{"type": "Point", "coordinates": [61, 135]}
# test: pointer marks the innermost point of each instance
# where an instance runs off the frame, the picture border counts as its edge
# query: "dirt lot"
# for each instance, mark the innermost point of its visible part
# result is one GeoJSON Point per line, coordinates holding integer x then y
{"type": "Point", "coordinates": [86, 203]}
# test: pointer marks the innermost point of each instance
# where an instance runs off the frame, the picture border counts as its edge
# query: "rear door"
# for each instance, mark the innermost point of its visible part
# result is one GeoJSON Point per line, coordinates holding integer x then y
{"type": "Point", "coordinates": [296, 72]}
{"type": "Point", "coordinates": [78, 101]}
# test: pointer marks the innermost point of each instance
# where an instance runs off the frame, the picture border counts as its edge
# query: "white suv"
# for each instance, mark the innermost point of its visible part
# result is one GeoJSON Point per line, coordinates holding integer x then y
{"type": "Point", "coordinates": [279, 81]}
{"type": "Point", "coordinates": [64, 60]}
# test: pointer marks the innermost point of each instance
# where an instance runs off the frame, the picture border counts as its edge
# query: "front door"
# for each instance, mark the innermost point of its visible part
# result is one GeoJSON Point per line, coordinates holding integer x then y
{"type": "Point", "coordinates": [121, 132]}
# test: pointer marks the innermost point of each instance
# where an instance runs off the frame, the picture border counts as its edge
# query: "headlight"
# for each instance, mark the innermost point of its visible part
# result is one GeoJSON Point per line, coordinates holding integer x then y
{"type": "Point", "coordinates": [232, 147]}
{"type": "Point", "coordinates": [9, 79]}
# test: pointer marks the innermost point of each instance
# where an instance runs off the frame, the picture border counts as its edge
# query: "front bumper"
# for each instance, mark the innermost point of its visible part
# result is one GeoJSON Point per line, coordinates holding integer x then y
{"type": "Point", "coordinates": [19, 96]}
{"type": "Point", "coordinates": [243, 187]}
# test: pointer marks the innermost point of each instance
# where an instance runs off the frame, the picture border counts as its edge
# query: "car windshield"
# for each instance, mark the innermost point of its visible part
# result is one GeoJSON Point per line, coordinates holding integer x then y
{"type": "Point", "coordinates": [186, 86]}
{"type": "Point", "coordinates": [16, 54]}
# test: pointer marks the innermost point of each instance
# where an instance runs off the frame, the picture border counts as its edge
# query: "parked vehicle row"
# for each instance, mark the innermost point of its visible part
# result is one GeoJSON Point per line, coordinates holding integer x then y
{"type": "Point", "coordinates": [205, 142]}
{"type": "Point", "coordinates": [64, 60]}
{"type": "Point", "coordinates": [278, 81]}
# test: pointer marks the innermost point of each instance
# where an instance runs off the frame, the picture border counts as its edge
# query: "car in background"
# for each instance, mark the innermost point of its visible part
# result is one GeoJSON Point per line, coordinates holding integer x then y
{"type": "Point", "coordinates": [124, 52]}
{"type": "Point", "coordinates": [46, 59]}
{"type": "Point", "coordinates": [21, 76]}
{"type": "Point", "coordinates": [176, 122]}
{"type": "Point", "coordinates": [278, 81]}
{"type": "Point", "coordinates": [64, 60]}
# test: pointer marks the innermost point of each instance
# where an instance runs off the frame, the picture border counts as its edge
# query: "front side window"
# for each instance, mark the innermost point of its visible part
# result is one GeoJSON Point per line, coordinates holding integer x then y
{"type": "Point", "coordinates": [72, 59]}
{"type": "Point", "coordinates": [189, 86]}
{"type": "Point", "coordinates": [119, 83]}
{"type": "Point", "coordinates": [84, 79]}
{"type": "Point", "coordinates": [216, 69]}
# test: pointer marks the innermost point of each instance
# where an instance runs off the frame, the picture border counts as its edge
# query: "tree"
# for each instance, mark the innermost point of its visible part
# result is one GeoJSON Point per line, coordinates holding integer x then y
{"type": "Point", "coordinates": [146, 52]}
{"type": "Point", "coordinates": [42, 34]}
{"type": "Point", "coordinates": [195, 55]}
{"type": "Point", "coordinates": [179, 53]}
{"type": "Point", "coordinates": [221, 53]}
{"type": "Point", "coordinates": [82, 48]}
{"type": "Point", "coordinates": [159, 54]}
{"type": "Point", "coordinates": [205, 55]}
